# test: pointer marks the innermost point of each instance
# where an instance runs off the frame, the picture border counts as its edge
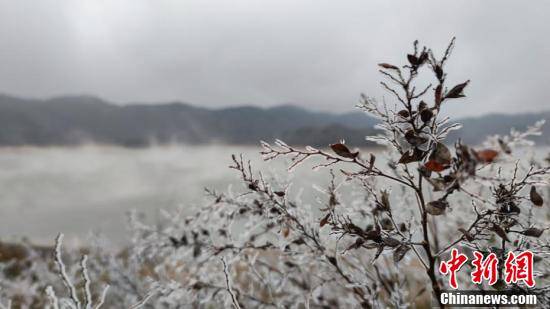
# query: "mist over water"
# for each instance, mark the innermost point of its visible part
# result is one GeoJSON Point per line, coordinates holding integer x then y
{"type": "Point", "coordinates": [92, 188]}
{"type": "Point", "coordinates": [75, 190]}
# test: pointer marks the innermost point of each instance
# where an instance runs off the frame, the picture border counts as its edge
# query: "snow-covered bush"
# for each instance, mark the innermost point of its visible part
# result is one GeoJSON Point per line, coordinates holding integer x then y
{"type": "Point", "coordinates": [385, 224]}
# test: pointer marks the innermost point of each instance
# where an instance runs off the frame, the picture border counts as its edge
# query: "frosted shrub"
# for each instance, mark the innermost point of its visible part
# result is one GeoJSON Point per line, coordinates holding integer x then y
{"type": "Point", "coordinates": [371, 247]}
{"type": "Point", "coordinates": [377, 240]}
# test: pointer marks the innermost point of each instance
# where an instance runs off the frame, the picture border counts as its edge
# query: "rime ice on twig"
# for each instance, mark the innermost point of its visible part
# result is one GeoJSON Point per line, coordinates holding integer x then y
{"type": "Point", "coordinates": [73, 300]}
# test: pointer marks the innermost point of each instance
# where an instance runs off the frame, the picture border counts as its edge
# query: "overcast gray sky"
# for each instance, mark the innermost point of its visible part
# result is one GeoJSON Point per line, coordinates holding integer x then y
{"type": "Point", "coordinates": [318, 54]}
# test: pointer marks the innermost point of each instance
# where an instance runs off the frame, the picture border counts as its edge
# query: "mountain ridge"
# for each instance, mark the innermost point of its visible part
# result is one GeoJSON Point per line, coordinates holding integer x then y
{"type": "Point", "coordinates": [69, 120]}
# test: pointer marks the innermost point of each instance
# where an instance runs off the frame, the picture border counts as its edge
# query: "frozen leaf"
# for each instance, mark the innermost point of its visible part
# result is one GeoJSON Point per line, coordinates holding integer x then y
{"type": "Point", "coordinates": [388, 66]}
{"type": "Point", "coordinates": [371, 161]}
{"type": "Point", "coordinates": [436, 208]}
{"type": "Point", "coordinates": [385, 200]}
{"type": "Point", "coordinates": [438, 95]}
{"type": "Point", "coordinates": [285, 231]}
{"type": "Point", "coordinates": [535, 197]}
{"type": "Point", "coordinates": [456, 91]}
{"type": "Point", "coordinates": [324, 221]}
{"type": "Point", "coordinates": [373, 235]}
{"type": "Point", "coordinates": [426, 115]}
{"type": "Point", "coordinates": [409, 157]}
{"type": "Point", "coordinates": [533, 232]}
{"type": "Point", "coordinates": [414, 139]}
{"type": "Point", "coordinates": [412, 59]}
{"type": "Point", "coordinates": [400, 252]}
{"type": "Point", "coordinates": [434, 166]}
{"type": "Point", "coordinates": [391, 242]}
{"type": "Point", "coordinates": [403, 113]}
{"type": "Point", "coordinates": [279, 193]}
{"type": "Point", "coordinates": [343, 151]}
{"type": "Point", "coordinates": [486, 155]}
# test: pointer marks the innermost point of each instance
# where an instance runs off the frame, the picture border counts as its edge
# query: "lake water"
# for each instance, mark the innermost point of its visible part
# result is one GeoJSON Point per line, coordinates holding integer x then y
{"type": "Point", "coordinates": [44, 191]}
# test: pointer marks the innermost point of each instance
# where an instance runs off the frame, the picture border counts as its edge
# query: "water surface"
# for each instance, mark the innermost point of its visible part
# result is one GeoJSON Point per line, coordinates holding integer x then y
{"type": "Point", "coordinates": [75, 190]}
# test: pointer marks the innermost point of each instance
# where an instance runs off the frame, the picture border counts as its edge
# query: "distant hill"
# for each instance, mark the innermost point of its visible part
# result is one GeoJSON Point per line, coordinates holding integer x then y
{"type": "Point", "coordinates": [475, 129]}
{"type": "Point", "coordinates": [76, 119]}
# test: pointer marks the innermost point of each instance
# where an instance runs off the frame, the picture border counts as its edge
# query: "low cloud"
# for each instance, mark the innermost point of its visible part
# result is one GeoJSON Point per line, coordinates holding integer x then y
{"type": "Point", "coordinates": [318, 54]}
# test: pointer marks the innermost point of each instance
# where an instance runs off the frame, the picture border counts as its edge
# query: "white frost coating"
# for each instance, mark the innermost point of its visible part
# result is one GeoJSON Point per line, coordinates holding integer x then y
{"type": "Point", "coordinates": [54, 302]}
{"type": "Point", "coordinates": [63, 272]}
{"type": "Point", "coordinates": [73, 301]}
{"type": "Point", "coordinates": [86, 278]}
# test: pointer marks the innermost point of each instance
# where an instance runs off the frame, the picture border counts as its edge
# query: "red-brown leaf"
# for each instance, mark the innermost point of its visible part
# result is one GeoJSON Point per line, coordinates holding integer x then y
{"type": "Point", "coordinates": [385, 200]}
{"type": "Point", "coordinates": [533, 232]}
{"type": "Point", "coordinates": [404, 113]}
{"type": "Point", "coordinates": [426, 115]}
{"type": "Point", "coordinates": [486, 155]}
{"type": "Point", "coordinates": [412, 59]}
{"type": "Point", "coordinates": [436, 208]}
{"type": "Point", "coordinates": [391, 242]}
{"type": "Point", "coordinates": [324, 221]}
{"type": "Point", "coordinates": [535, 197]}
{"type": "Point", "coordinates": [434, 166]}
{"type": "Point", "coordinates": [285, 231]}
{"type": "Point", "coordinates": [415, 156]}
{"type": "Point", "coordinates": [388, 66]}
{"type": "Point", "coordinates": [343, 151]}
{"type": "Point", "coordinates": [456, 91]}
{"type": "Point", "coordinates": [400, 252]}
{"type": "Point", "coordinates": [438, 95]}
{"type": "Point", "coordinates": [372, 160]}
